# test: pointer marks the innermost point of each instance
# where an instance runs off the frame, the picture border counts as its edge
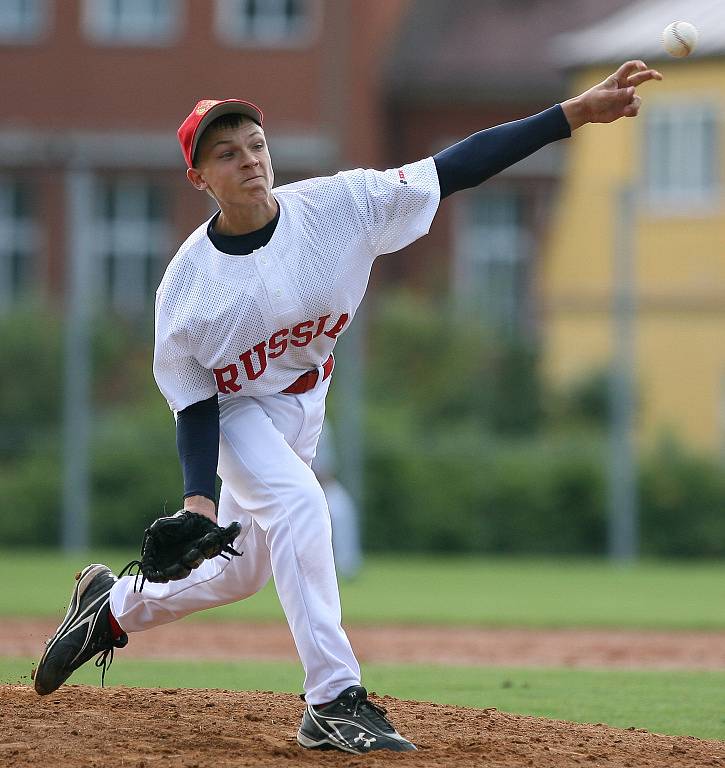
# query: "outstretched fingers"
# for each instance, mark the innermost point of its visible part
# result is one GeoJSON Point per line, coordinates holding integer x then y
{"type": "Point", "coordinates": [627, 69]}
{"type": "Point", "coordinates": [642, 77]}
{"type": "Point", "coordinates": [628, 77]}
{"type": "Point", "coordinates": [635, 72]}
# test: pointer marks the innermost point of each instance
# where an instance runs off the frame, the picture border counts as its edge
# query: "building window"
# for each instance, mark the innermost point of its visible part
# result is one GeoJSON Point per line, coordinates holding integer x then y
{"type": "Point", "coordinates": [22, 21]}
{"type": "Point", "coordinates": [493, 260]}
{"type": "Point", "coordinates": [133, 240]}
{"type": "Point", "coordinates": [132, 22]}
{"type": "Point", "coordinates": [681, 162]}
{"type": "Point", "coordinates": [270, 23]}
{"type": "Point", "coordinates": [19, 242]}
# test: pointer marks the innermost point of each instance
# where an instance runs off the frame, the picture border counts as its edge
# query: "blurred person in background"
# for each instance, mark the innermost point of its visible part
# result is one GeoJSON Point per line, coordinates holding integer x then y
{"type": "Point", "coordinates": [343, 511]}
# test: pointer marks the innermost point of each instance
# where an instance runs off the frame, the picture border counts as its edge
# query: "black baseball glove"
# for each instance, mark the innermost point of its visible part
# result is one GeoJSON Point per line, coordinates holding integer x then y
{"type": "Point", "coordinates": [173, 546]}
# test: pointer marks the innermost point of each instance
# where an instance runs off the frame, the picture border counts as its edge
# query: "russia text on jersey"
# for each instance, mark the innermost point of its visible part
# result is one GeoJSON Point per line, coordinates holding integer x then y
{"type": "Point", "coordinates": [254, 360]}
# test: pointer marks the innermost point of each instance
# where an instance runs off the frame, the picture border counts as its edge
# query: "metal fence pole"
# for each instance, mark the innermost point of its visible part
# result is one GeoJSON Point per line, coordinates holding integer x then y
{"type": "Point", "coordinates": [350, 351]}
{"type": "Point", "coordinates": [77, 374]}
{"type": "Point", "coordinates": [623, 512]}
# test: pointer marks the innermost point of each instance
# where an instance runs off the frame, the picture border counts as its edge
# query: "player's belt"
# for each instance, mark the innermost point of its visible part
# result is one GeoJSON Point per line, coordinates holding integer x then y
{"type": "Point", "coordinates": [309, 379]}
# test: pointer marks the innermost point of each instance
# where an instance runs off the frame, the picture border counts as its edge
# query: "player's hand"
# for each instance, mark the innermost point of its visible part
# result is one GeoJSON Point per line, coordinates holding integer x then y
{"type": "Point", "coordinates": [202, 506]}
{"type": "Point", "coordinates": [611, 99]}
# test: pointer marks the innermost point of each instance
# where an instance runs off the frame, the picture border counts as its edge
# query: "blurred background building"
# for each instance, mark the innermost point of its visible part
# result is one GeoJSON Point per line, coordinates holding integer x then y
{"type": "Point", "coordinates": [102, 85]}
{"type": "Point", "coordinates": [93, 203]}
{"type": "Point", "coordinates": [673, 160]}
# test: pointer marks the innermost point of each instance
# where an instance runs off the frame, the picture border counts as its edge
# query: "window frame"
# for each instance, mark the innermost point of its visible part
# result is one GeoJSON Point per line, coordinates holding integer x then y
{"type": "Point", "coordinates": [224, 14]}
{"type": "Point", "coordinates": [32, 36]}
{"type": "Point", "coordinates": [96, 22]}
{"type": "Point", "coordinates": [469, 263]}
{"type": "Point", "coordinates": [16, 230]}
{"type": "Point", "coordinates": [112, 231]}
{"type": "Point", "coordinates": [661, 160]}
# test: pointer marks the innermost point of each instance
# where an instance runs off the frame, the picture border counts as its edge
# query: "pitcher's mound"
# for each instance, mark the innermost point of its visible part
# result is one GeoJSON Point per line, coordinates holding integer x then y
{"type": "Point", "coordinates": [82, 726]}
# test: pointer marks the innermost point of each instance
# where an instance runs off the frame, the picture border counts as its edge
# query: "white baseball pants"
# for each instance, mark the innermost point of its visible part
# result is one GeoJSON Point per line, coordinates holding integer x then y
{"type": "Point", "coordinates": [266, 448]}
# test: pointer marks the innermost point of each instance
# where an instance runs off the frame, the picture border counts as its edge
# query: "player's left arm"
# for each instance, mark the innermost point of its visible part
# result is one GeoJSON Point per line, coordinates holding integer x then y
{"type": "Point", "coordinates": [197, 442]}
{"type": "Point", "coordinates": [481, 156]}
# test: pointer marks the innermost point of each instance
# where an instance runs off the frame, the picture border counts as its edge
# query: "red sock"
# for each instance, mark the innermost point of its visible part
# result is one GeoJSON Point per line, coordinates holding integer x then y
{"type": "Point", "coordinates": [115, 626]}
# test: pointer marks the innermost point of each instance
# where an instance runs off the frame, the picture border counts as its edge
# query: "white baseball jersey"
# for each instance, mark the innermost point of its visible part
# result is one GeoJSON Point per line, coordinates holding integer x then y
{"type": "Point", "coordinates": [250, 325]}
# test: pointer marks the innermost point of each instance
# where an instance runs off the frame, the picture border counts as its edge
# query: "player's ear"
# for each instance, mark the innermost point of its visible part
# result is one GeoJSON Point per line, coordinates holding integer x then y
{"type": "Point", "coordinates": [196, 178]}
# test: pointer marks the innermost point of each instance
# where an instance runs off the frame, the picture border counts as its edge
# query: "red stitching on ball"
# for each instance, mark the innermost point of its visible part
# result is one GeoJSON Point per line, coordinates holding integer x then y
{"type": "Point", "coordinates": [680, 39]}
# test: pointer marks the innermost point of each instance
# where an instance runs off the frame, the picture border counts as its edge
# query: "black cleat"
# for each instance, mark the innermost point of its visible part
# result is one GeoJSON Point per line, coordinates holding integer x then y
{"type": "Point", "coordinates": [84, 632]}
{"type": "Point", "coordinates": [351, 723]}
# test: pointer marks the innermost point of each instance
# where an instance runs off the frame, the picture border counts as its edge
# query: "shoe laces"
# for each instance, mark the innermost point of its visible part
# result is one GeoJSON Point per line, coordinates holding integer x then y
{"type": "Point", "coordinates": [379, 712]}
{"type": "Point", "coordinates": [126, 570]}
{"type": "Point", "coordinates": [108, 644]}
{"type": "Point", "coordinates": [103, 662]}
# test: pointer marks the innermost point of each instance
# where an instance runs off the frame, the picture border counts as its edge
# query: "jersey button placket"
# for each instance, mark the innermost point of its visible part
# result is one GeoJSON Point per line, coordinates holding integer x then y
{"type": "Point", "coordinates": [273, 282]}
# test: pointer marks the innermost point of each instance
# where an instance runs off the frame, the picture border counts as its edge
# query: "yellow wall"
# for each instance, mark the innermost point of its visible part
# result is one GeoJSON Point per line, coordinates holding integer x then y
{"type": "Point", "coordinates": [679, 259]}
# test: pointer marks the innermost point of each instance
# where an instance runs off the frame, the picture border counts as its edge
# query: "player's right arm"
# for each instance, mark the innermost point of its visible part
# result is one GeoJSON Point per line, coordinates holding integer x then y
{"type": "Point", "coordinates": [397, 206]}
{"type": "Point", "coordinates": [484, 154]}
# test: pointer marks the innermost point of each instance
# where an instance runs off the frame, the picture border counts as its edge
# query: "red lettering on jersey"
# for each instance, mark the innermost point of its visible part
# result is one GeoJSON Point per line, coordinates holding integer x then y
{"type": "Point", "coordinates": [339, 325]}
{"type": "Point", "coordinates": [246, 358]}
{"type": "Point", "coordinates": [300, 336]}
{"type": "Point", "coordinates": [278, 344]}
{"type": "Point", "coordinates": [226, 379]}
{"type": "Point", "coordinates": [320, 325]}
{"type": "Point", "coordinates": [302, 339]}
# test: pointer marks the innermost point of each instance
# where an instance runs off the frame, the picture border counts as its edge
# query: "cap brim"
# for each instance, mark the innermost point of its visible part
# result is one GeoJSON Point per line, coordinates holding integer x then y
{"type": "Point", "coordinates": [224, 108]}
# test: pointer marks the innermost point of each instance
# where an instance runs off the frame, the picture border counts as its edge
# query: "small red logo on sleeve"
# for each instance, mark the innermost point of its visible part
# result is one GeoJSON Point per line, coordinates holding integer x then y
{"type": "Point", "coordinates": [401, 176]}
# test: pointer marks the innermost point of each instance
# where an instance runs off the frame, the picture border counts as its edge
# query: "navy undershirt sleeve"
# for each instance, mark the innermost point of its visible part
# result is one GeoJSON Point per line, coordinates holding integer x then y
{"type": "Point", "coordinates": [475, 159]}
{"type": "Point", "coordinates": [197, 440]}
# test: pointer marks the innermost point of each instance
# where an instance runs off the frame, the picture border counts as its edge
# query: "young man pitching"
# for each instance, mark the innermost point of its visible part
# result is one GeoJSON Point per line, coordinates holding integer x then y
{"type": "Point", "coordinates": [247, 316]}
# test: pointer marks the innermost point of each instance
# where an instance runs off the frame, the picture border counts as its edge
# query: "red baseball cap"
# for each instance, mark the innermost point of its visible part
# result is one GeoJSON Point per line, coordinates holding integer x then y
{"type": "Point", "coordinates": [207, 111]}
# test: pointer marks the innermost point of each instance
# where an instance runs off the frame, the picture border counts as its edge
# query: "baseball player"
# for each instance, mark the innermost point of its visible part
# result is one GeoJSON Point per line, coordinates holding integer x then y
{"type": "Point", "coordinates": [247, 316]}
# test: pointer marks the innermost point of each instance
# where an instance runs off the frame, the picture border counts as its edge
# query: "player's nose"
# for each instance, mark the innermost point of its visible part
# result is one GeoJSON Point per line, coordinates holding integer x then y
{"type": "Point", "coordinates": [249, 160]}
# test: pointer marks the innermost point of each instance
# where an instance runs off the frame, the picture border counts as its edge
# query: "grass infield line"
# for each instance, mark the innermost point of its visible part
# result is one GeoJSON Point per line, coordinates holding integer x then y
{"type": "Point", "coordinates": [483, 591]}
{"type": "Point", "coordinates": [673, 703]}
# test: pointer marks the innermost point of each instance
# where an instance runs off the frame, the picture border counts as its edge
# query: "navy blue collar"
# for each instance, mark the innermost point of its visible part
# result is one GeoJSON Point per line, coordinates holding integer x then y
{"type": "Point", "coordinates": [241, 245]}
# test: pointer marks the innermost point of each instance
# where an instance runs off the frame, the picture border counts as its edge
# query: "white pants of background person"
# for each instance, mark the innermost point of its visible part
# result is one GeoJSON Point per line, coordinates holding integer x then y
{"type": "Point", "coordinates": [343, 512]}
{"type": "Point", "coordinates": [267, 445]}
{"type": "Point", "coordinates": [345, 528]}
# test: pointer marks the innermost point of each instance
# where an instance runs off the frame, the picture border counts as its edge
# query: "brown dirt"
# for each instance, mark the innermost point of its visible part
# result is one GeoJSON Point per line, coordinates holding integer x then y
{"type": "Point", "coordinates": [464, 646]}
{"type": "Point", "coordinates": [89, 727]}
{"type": "Point", "coordinates": [86, 727]}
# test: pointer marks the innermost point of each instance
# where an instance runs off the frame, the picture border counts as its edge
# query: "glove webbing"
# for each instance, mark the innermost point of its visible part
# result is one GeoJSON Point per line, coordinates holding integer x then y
{"type": "Point", "coordinates": [126, 570]}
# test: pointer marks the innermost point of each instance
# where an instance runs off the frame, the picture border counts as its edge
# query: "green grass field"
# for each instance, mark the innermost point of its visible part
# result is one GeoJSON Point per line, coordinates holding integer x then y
{"type": "Point", "coordinates": [455, 591]}
{"type": "Point", "coordinates": [676, 703]}
{"type": "Point", "coordinates": [468, 591]}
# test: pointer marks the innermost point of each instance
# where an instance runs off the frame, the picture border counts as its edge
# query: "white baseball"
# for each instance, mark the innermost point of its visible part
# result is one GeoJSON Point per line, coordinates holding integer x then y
{"type": "Point", "coordinates": [679, 38]}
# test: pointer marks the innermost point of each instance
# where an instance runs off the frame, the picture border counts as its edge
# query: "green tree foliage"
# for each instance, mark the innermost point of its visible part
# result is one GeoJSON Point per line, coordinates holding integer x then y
{"type": "Point", "coordinates": [464, 449]}
{"type": "Point", "coordinates": [682, 499]}
{"type": "Point", "coordinates": [467, 452]}
{"type": "Point", "coordinates": [32, 382]}
{"type": "Point", "coordinates": [441, 370]}
{"type": "Point", "coordinates": [31, 388]}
